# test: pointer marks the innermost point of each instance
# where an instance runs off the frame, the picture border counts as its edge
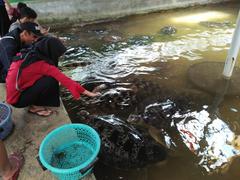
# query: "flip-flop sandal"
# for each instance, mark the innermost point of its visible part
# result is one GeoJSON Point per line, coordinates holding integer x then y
{"type": "Point", "coordinates": [34, 111]}
{"type": "Point", "coordinates": [19, 159]}
{"type": "Point", "coordinates": [41, 112]}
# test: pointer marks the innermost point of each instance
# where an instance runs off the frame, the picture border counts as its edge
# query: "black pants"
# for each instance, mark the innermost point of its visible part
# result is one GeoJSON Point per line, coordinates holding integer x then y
{"type": "Point", "coordinates": [4, 21]}
{"type": "Point", "coordinates": [45, 92]}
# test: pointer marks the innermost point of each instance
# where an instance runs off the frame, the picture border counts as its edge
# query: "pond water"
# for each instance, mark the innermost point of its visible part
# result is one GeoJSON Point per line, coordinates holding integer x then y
{"type": "Point", "coordinates": [138, 47]}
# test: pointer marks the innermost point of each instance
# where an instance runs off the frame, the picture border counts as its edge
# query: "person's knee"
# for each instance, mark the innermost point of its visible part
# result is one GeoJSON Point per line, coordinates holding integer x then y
{"type": "Point", "coordinates": [48, 81]}
{"type": "Point", "coordinates": [49, 84]}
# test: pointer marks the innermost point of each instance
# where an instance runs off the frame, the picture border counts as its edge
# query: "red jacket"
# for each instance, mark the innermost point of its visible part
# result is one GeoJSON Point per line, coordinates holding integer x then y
{"type": "Point", "coordinates": [31, 74]}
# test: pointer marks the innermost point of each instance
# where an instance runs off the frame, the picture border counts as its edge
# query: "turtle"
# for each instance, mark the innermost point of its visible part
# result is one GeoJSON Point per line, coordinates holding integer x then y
{"type": "Point", "coordinates": [168, 30]}
{"type": "Point", "coordinates": [122, 145]}
{"type": "Point", "coordinates": [156, 118]}
{"type": "Point", "coordinates": [116, 97]}
{"type": "Point", "coordinates": [192, 128]}
{"type": "Point", "coordinates": [161, 114]}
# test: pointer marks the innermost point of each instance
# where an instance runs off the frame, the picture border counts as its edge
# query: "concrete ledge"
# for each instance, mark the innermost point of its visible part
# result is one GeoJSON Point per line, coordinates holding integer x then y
{"type": "Point", "coordinates": [95, 10]}
{"type": "Point", "coordinates": [29, 131]}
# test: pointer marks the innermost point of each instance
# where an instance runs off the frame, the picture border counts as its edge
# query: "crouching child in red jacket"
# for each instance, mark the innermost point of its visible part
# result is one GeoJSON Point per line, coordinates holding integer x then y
{"type": "Point", "coordinates": [33, 78]}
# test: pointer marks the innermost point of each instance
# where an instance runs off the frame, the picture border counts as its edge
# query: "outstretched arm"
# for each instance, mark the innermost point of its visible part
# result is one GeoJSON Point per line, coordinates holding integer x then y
{"type": "Point", "coordinates": [91, 94]}
{"type": "Point", "coordinates": [75, 88]}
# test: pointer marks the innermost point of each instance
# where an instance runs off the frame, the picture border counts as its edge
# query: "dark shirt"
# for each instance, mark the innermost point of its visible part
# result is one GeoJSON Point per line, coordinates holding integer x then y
{"type": "Point", "coordinates": [1, 3]}
{"type": "Point", "coordinates": [9, 46]}
{"type": "Point", "coordinates": [13, 45]}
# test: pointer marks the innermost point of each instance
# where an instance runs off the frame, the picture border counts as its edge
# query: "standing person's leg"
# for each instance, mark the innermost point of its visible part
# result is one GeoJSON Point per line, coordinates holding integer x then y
{"type": "Point", "coordinates": [5, 165]}
{"type": "Point", "coordinates": [9, 166]}
{"type": "Point", "coordinates": [2, 80]}
{"type": "Point", "coordinates": [4, 63]}
{"type": "Point", "coordinates": [4, 21]}
{"type": "Point", "coordinates": [45, 92]}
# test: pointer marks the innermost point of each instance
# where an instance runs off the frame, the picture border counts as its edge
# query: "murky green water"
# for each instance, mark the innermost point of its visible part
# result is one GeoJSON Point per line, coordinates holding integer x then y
{"type": "Point", "coordinates": [135, 47]}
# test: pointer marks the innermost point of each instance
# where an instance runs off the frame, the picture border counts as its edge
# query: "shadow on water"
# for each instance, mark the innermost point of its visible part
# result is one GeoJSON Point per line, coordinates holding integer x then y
{"type": "Point", "coordinates": [141, 66]}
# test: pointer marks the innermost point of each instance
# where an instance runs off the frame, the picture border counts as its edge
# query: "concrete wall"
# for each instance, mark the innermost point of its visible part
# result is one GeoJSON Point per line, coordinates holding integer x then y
{"type": "Point", "coordinates": [92, 10]}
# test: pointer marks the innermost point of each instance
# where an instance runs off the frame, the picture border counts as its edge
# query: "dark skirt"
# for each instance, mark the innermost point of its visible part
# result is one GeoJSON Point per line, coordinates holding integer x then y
{"type": "Point", "coordinates": [44, 92]}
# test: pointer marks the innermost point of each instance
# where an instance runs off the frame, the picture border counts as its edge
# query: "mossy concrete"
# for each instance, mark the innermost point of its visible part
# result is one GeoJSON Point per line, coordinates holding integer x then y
{"type": "Point", "coordinates": [28, 134]}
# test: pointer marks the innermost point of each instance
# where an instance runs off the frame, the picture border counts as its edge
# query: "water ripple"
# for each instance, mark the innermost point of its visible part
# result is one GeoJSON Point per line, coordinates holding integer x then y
{"type": "Point", "coordinates": [132, 59]}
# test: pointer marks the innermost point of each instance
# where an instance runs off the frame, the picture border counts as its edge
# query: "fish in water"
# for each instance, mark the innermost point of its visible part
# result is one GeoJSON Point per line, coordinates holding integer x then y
{"type": "Point", "coordinates": [122, 145]}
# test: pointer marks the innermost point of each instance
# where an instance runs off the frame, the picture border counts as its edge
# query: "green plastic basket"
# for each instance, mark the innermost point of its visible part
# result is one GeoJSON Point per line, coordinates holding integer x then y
{"type": "Point", "coordinates": [70, 151]}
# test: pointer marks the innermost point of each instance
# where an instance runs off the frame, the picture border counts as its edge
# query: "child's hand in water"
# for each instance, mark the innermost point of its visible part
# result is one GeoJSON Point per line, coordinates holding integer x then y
{"type": "Point", "coordinates": [91, 94]}
{"type": "Point", "coordinates": [99, 88]}
{"type": "Point", "coordinates": [98, 94]}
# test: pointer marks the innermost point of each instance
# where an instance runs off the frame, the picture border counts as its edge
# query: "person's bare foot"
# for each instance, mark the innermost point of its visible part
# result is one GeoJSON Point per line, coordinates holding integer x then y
{"type": "Point", "coordinates": [16, 161]}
